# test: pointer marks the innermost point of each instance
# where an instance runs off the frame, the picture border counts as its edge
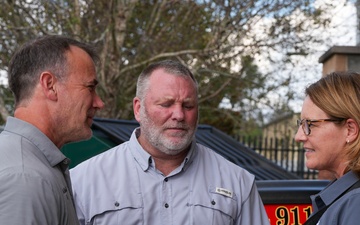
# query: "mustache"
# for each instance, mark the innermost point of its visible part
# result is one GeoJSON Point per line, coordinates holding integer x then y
{"type": "Point", "coordinates": [91, 113]}
{"type": "Point", "coordinates": [177, 126]}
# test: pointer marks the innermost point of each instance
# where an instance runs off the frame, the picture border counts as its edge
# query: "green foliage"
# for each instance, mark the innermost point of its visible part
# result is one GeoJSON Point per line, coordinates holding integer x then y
{"type": "Point", "coordinates": [6, 103]}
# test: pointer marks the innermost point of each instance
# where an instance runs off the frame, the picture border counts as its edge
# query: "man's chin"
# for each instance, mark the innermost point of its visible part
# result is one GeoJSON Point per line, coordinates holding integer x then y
{"type": "Point", "coordinates": [176, 148]}
{"type": "Point", "coordinates": [173, 152]}
{"type": "Point", "coordinates": [89, 121]}
{"type": "Point", "coordinates": [86, 134]}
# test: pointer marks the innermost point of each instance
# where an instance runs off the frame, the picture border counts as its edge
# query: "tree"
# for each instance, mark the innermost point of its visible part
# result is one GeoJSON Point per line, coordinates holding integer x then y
{"type": "Point", "coordinates": [218, 40]}
{"type": "Point", "coordinates": [6, 103]}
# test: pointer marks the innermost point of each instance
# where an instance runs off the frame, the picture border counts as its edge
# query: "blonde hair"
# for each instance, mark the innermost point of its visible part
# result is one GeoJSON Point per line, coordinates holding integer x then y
{"type": "Point", "coordinates": [338, 95]}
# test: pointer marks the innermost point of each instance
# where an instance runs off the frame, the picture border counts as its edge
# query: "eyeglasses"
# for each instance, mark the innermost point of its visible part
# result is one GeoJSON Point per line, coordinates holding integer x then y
{"type": "Point", "coordinates": [305, 123]}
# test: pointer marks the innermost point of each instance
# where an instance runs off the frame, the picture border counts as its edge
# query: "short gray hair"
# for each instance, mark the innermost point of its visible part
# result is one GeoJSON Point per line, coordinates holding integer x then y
{"type": "Point", "coordinates": [34, 57]}
{"type": "Point", "coordinates": [170, 66]}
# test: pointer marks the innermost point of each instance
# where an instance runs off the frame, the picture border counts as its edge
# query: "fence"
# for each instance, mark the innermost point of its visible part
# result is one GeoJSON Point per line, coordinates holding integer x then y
{"type": "Point", "coordinates": [284, 152]}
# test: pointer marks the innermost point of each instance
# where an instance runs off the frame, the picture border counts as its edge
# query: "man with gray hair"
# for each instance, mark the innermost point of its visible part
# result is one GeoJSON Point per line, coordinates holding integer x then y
{"type": "Point", "coordinates": [161, 175]}
{"type": "Point", "coordinates": [53, 79]}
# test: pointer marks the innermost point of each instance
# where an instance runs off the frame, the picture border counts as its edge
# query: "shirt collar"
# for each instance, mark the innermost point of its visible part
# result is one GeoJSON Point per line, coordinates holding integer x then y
{"type": "Point", "coordinates": [39, 139]}
{"type": "Point", "coordinates": [190, 156]}
{"type": "Point", "coordinates": [335, 188]}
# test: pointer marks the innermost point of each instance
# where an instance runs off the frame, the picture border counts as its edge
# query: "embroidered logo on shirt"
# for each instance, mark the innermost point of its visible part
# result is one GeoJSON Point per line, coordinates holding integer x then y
{"type": "Point", "coordinates": [225, 192]}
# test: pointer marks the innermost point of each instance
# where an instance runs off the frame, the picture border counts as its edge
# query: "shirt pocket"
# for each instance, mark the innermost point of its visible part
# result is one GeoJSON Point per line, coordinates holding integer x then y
{"type": "Point", "coordinates": [128, 210]}
{"type": "Point", "coordinates": [212, 208]}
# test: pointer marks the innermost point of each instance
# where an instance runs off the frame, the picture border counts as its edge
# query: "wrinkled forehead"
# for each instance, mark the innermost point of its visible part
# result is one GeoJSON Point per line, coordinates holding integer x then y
{"type": "Point", "coordinates": [174, 86]}
{"type": "Point", "coordinates": [163, 76]}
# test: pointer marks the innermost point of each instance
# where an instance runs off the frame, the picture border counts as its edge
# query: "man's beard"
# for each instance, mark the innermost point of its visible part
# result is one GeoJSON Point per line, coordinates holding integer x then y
{"type": "Point", "coordinates": [155, 137]}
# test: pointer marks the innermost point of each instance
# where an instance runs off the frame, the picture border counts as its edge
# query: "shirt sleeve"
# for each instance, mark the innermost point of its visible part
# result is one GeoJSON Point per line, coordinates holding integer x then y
{"type": "Point", "coordinates": [26, 199]}
{"type": "Point", "coordinates": [253, 211]}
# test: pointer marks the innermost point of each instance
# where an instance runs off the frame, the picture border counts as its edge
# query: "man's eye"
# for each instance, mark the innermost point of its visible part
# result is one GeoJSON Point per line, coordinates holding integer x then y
{"type": "Point", "coordinates": [92, 87]}
{"type": "Point", "coordinates": [166, 105]}
{"type": "Point", "coordinates": [188, 106]}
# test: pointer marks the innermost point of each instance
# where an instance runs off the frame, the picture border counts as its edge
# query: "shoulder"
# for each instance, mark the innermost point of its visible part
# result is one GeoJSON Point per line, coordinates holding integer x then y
{"type": "Point", "coordinates": [211, 157]}
{"type": "Point", "coordinates": [24, 176]}
{"type": "Point", "coordinates": [350, 198]}
{"type": "Point", "coordinates": [28, 197]}
{"type": "Point", "coordinates": [98, 170]}
{"type": "Point", "coordinates": [26, 165]}
{"type": "Point", "coordinates": [104, 159]}
{"type": "Point", "coordinates": [222, 173]}
{"type": "Point", "coordinates": [345, 210]}
{"type": "Point", "coordinates": [27, 188]}
{"type": "Point", "coordinates": [225, 172]}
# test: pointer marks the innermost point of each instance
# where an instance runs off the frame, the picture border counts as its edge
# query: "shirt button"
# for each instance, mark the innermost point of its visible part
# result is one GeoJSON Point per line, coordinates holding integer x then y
{"type": "Point", "coordinates": [166, 205]}
{"type": "Point", "coordinates": [166, 179]}
{"type": "Point", "coordinates": [66, 161]}
{"type": "Point", "coordinates": [213, 202]}
{"type": "Point", "coordinates": [117, 204]}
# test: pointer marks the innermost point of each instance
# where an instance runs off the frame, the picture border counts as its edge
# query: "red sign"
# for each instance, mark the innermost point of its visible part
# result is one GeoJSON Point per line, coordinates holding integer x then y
{"type": "Point", "coordinates": [286, 214]}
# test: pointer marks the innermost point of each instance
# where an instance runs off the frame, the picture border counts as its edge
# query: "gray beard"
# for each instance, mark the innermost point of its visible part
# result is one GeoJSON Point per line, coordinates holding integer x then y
{"type": "Point", "coordinates": [153, 135]}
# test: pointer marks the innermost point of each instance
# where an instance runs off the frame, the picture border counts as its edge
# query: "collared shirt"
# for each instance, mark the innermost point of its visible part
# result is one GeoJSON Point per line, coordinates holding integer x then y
{"type": "Point", "coordinates": [345, 210]}
{"type": "Point", "coordinates": [123, 186]}
{"type": "Point", "coordinates": [33, 180]}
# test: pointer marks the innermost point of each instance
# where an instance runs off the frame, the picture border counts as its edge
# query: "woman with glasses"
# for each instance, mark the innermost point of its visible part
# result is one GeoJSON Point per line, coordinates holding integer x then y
{"type": "Point", "coordinates": [329, 131]}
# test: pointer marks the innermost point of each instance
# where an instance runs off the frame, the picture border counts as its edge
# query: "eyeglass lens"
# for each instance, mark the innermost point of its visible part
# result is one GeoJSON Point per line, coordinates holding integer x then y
{"type": "Point", "coordinates": [305, 126]}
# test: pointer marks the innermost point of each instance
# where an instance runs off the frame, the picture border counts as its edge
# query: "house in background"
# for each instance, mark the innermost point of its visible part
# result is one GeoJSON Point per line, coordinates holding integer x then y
{"type": "Point", "coordinates": [278, 145]}
{"type": "Point", "coordinates": [283, 127]}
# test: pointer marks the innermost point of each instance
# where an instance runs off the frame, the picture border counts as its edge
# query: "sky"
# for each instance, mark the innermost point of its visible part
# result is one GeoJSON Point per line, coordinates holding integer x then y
{"type": "Point", "coordinates": [3, 78]}
{"type": "Point", "coordinates": [307, 69]}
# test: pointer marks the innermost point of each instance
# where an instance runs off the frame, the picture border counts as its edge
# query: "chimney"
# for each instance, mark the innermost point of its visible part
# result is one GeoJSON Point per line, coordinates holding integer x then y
{"type": "Point", "coordinates": [341, 59]}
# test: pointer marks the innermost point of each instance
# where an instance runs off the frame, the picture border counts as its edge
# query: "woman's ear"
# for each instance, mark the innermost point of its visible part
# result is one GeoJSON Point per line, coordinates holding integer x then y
{"type": "Point", "coordinates": [47, 82]}
{"type": "Point", "coordinates": [352, 130]}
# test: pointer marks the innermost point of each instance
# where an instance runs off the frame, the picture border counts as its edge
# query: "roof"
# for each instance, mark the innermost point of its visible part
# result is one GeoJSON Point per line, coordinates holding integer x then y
{"type": "Point", "coordinates": [120, 131]}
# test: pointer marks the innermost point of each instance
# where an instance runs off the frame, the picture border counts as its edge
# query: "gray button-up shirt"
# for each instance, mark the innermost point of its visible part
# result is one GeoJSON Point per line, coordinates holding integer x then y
{"type": "Point", "coordinates": [123, 186]}
{"type": "Point", "coordinates": [344, 211]}
{"type": "Point", "coordinates": [34, 182]}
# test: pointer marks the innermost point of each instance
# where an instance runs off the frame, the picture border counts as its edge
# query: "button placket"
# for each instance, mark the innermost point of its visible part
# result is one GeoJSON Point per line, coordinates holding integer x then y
{"type": "Point", "coordinates": [165, 191]}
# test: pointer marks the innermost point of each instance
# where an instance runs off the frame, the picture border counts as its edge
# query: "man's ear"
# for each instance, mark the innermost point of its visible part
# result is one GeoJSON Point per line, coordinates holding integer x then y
{"type": "Point", "coordinates": [136, 108]}
{"type": "Point", "coordinates": [47, 83]}
{"type": "Point", "coordinates": [352, 129]}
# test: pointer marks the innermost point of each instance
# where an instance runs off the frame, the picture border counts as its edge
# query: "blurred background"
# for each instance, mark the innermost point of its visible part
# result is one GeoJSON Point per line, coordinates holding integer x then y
{"type": "Point", "coordinates": [252, 58]}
